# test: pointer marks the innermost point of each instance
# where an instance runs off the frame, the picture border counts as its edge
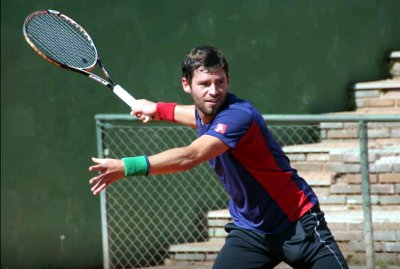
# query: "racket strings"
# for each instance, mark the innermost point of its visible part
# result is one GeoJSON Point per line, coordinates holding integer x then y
{"type": "Point", "coordinates": [62, 41]}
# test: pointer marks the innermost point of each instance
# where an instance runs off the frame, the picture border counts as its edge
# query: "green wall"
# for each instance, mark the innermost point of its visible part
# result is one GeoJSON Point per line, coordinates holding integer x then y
{"type": "Point", "coordinates": [285, 57]}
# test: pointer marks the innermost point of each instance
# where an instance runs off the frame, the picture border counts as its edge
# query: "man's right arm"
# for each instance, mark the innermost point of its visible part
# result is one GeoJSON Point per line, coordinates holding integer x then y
{"type": "Point", "coordinates": [183, 114]}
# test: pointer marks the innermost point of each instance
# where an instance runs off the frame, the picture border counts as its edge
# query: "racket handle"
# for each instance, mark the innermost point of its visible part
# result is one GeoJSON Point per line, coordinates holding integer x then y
{"type": "Point", "coordinates": [128, 99]}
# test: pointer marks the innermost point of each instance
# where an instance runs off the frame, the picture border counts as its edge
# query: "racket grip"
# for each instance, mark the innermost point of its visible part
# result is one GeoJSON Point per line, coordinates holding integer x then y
{"type": "Point", "coordinates": [128, 99]}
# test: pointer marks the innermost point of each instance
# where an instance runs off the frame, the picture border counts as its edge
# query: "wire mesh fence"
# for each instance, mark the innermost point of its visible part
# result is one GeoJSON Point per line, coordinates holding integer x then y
{"type": "Point", "coordinates": [144, 216]}
{"type": "Point", "coordinates": [147, 214]}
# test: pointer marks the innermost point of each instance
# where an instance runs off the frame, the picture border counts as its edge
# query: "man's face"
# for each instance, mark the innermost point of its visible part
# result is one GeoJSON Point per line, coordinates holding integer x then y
{"type": "Point", "coordinates": [208, 90]}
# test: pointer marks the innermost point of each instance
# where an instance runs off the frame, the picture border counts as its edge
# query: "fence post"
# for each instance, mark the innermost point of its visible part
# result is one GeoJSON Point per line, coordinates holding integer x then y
{"type": "Point", "coordinates": [103, 205]}
{"type": "Point", "coordinates": [368, 230]}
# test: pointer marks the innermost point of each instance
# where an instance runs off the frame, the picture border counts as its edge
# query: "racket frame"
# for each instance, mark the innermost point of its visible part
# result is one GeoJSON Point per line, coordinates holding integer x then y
{"type": "Point", "coordinates": [84, 71]}
{"type": "Point", "coordinates": [117, 89]}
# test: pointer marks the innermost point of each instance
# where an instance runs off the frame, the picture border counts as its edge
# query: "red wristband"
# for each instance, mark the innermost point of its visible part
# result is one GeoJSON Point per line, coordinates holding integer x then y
{"type": "Point", "coordinates": [165, 111]}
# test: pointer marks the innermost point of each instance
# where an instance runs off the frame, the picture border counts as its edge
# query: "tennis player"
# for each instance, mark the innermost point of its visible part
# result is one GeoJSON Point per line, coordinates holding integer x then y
{"type": "Point", "coordinates": [276, 214]}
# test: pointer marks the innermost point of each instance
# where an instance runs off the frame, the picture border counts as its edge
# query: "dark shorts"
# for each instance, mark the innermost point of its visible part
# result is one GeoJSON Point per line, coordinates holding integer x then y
{"type": "Point", "coordinates": [308, 243]}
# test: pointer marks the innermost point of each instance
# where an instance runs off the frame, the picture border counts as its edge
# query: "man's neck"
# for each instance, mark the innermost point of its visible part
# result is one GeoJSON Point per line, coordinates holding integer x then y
{"type": "Point", "coordinates": [205, 119]}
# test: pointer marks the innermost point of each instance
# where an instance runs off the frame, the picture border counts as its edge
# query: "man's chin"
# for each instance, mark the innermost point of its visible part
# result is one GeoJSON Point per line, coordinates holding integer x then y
{"type": "Point", "coordinates": [208, 111]}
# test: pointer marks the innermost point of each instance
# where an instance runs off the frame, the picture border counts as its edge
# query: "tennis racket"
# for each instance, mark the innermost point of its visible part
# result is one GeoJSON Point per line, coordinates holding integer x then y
{"type": "Point", "coordinates": [64, 43]}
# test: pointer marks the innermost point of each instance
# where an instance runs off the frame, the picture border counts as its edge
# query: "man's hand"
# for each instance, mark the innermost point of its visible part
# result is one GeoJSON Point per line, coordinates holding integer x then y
{"type": "Point", "coordinates": [110, 170]}
{"type": "Point", "coordinates": [145, 108]}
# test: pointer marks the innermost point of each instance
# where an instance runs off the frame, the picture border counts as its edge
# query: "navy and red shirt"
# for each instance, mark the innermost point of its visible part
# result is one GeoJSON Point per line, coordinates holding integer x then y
{"type": "Point", "coordinates": [266, 193]}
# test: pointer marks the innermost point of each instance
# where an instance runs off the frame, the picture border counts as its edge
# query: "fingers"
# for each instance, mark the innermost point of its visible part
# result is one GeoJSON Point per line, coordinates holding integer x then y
{"type": "Point", "coordinates": [95, 168]}
{"type": "Point", "coordinates": [137, 109]}
{"type": "Point", "coordinates": [142, 117]}
{"type": "Point", "coordinates": [144, 110]}
{"type": "Point", "coordinates": [95, 179]}
{"type": "Point", "coordinates": [99, 165]}
{"type": "Point", "coordinates": [146, 119]}
{"type": "Point", "coordinates": [98, 160]}
{"type": "Point", "coordinates": [100, 186]}
{"type": "Point", "coordinates": [99, 183]}
{"type": "Point", "coordinates": [136, 114]}
{"type": "Point", "coordinates": [110, 170]}
{"type": "Point", "coordinates": [99, 189]}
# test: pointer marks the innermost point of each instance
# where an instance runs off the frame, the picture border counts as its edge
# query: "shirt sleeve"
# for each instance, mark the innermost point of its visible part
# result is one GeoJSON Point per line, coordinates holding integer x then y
{"type": "Point", "coordinates": [230, 126]}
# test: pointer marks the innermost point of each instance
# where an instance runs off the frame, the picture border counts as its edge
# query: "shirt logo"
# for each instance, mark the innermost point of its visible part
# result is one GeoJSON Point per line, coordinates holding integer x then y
{"type": "Point", "coordinates": [221, 128]}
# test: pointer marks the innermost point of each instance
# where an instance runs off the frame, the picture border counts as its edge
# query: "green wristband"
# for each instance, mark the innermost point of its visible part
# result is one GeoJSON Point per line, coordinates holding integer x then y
{"type": "Point", "coordinates": [136, 166]}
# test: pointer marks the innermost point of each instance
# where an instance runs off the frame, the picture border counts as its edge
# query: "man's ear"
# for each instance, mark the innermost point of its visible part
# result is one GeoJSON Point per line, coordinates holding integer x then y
{"type": "Point", "coordinates": [186, 85]}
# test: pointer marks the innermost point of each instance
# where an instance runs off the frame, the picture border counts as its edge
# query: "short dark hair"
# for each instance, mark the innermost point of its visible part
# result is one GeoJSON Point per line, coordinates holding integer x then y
{"type": "Point", "coordinates": [208, 57]}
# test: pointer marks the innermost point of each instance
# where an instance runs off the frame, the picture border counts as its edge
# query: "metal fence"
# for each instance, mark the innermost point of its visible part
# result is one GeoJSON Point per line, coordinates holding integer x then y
{"type": "Point", "coordinates": [143, 216]}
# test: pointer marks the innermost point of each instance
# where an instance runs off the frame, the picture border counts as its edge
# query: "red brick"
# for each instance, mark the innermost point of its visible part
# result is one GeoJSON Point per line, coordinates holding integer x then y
{"type": "Point", "coordinates": [389, 178]}
{"type": "Point", "coordinates": [356, 178]}
{"type": "Point", "coordinates": [348, 133]}
{"type": "Point", "coordinates": [345, 189]}
{"type": "Point", "coordinates": [380, 102]}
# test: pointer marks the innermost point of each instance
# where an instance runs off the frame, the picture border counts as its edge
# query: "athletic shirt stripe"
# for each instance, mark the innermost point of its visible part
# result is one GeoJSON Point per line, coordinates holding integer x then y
{"type": "Point", "coordinates": [261, 164]}
{"type": "Point", "coordinates": [266, 194]}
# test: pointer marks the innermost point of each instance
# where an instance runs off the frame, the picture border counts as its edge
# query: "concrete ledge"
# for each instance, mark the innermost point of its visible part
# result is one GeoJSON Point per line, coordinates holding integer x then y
{"type": "Point", "coordinates": [217, 214]}
{"type": "Point", "coordinates": [338, 214]}
{"type": "Point", "coordinates": [210, 246]}
{"type": "Point", "coordinates": [322, 147]}
{"type": "Point", "coordinates": [357, 216]}
{"type": "Point", "coordinates": [379, 84]}
{"type": "Point", "coordinates": [395, 55]}
{"type": "Point", "coordinates": [318, 178]}
{"type": "Point", "coordinates": [383, 111]}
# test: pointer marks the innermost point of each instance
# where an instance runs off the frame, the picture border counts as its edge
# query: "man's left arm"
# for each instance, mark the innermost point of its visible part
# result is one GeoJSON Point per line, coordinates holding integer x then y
{"type": "Point", "coordinates": [173, 160]}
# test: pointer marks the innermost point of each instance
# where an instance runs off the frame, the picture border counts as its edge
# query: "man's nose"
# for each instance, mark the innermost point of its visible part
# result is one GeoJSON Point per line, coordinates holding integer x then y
{"type": "Point", "coordinates": [213, 89]}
